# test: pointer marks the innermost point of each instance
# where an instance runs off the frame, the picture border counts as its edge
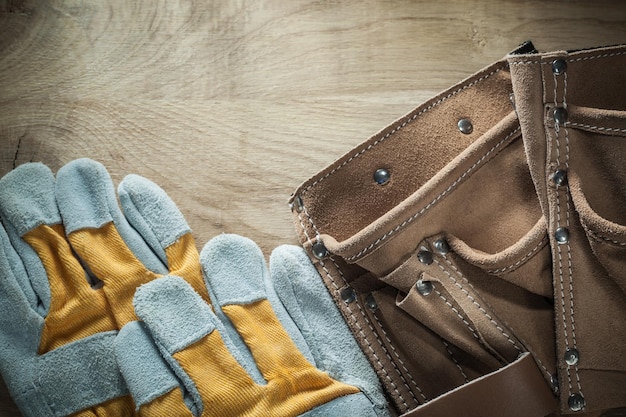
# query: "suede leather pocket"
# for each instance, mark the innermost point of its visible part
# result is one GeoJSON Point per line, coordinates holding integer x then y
{"type": "Point", "coordinates": [525, 263]}
{"type": "Point", "coordinates": [491, 297]}
{"type": "Point", "coordinates": [438, 310]}
{"type": "Point", "coordinates": [464, 296]}
{"type": "Point", "coordinates": [488, 186]}
{"type": "Point", "coordinates": [592, 148]}
{"type": "Point", "coordinates": [597, 183]}
{"type": "Point", "coordinates": [607, 239]}
{"type": "Point", "coordinates": [521, 272]}
{"type": "Point", "coordinates": [595, 143]}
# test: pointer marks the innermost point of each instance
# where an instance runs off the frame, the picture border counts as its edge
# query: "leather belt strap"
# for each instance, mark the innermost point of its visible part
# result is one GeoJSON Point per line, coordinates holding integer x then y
{"type": "Point", "coordinates": [517, 390]}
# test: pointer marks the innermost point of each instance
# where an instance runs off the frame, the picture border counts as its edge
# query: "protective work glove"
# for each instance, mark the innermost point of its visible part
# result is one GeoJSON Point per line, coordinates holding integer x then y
{"type": "Point", "coordinates": [273, 343]}
{"type": "Point", "coordinates": [70, 262]}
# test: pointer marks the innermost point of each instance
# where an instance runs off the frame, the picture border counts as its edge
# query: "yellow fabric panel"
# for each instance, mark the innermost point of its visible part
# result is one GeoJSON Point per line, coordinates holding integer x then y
{"type": "Point", "coordinates": [76, 310]}
{"type": "Point", "coordinates": [169, 404]}
{"type": "Point", "coordinates": [225, 387]}
{"type": "Point", "coordinates": [184, 261]}
{"type": "Point", "coordinates": [275, 353]}
{"type": "Point", "coordinates": [118, 407]}
{"type": "Point", "coordinates": [293, 386]}
{"type": "Point", "coordinates": [108, 257]}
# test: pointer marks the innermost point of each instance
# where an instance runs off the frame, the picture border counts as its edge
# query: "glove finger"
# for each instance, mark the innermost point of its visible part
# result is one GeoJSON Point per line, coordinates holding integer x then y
{"type": "Point", "coordinates": [237, 275]}
{"type": "Point", "coordinates": [101, 236]}
{"type": "Point", "coordinates": [13, 273]}
{"type": "Point", "coordinates": [152, 383]}
{"type": "Point", "coordinates": [192, 340]}
{"type": "Point", "coordinates": [152, 213]}
{"type": "Point", "coordinates": [217, 268]}
{"type": "Point", "coordinates": [26, 202]}
{"type": "Point", "coordinates": [155, 216]}
{"type": "Point", "coordinates": [302, 292]}
{"type": "Point", "coordinates": [86, 199]}
{"type": "Point", "coordinates": [20, 323]}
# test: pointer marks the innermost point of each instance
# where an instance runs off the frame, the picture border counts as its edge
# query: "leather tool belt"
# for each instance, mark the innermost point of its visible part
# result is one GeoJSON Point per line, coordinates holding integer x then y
{"type": "Point", "coordinates": [477, 246]}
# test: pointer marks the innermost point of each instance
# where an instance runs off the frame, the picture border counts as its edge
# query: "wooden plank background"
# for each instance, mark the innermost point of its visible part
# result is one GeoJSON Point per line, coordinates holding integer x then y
{"type": "Point", "coordinates": [229, 105]}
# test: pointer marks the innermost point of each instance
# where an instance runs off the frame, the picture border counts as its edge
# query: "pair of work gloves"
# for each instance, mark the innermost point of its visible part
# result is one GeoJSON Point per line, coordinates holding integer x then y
{"type": "Point", "coordinates": [109, 311]}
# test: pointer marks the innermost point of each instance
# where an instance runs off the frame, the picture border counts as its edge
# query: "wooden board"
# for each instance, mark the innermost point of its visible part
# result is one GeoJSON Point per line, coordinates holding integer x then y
{"type": "Point", "coordinates": [229, 105]}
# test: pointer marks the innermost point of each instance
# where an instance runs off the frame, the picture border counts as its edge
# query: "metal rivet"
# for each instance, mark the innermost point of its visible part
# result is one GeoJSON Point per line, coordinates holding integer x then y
{"type": "Point", "coordinates": [425, 256]}
{"type": "Point", "coordinates": [298, 204]}
{"type": "Point", "coordinates": [424, 287]}
{"type": "Point", "coordinates": [382, 176]}
{"type": "Point", "coordinates": [348, 294]}
{"type": "Point", "coordinates": [561, 235]}
{"type": "Point", "coordinates": [441, 246]}
{"type": "Point", "coordinates": [319, 250]}
{"type": "Point", "coordinates": [559, 66]}
{"type": "Point", "coordinates": [465, 126]}
{"type": "Point", "coordinates": [560, 177]}
{"type": "Point", "coordinates": [554, 380]}
{"type": "Point", "coordinates": [576, 402]}
{"type": "Point", "coordinates": [571, 356]}
{"type": "Point", "coordinates": [512, 99]}
{"type": "Point", "coordinates": [371, 303]}
{"type": "Point", "coordinates": [560, 115]}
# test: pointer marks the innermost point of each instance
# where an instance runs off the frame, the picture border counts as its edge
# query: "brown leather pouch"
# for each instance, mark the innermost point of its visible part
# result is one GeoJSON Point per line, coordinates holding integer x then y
{"type": "Point", "coordinates": [434, 243]}
{"type": "Point", "coordinates": [572, 109]}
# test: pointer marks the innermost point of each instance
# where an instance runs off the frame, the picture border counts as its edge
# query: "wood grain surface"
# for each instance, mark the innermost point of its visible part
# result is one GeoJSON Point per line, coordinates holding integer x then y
{"type": "Point", "coordinates": [229, 105]}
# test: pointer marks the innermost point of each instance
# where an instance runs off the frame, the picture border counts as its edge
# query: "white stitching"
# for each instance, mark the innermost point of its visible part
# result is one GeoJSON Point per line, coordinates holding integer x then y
{"type": "Point", "coordinates": [369, 345]}
{"type": "Point", "coordinates": [556, 126]}
{"type": "Point", "coordinates": [571, 287]}
{"type": "Point", "coordinates": [542, 365]}
{"type": "Point", "coordinates": [473, 300]}
{"type": "Point", "coordinates": [586, 58]}
{"type": "Point", "coordinates": [360, 330]}
{"type": "Point", "coordinates": [569, 248]}
{"type": "Point", "coordinates": [591, 127]}
{"type": "Point", "coordinates": [562, 288]}
{"type": "Point", "coordinates": [454, 360]}
{"type": "Point", "coordinates": [308, 238]}
{"type": "Point", "coordinates": [317, 233]}
{"type": "Point", "coordinates": [459, 315]}
{"type": "Point", "coordinates": [524, 62]}
{"type": "Point", "coordinates": [598, 236]}
{"type": "Point", "coordinates": [559, 250]}
{"type": "Point", "coordinates": [402, 125]}
{"type": "Point", "coordinates": [514, 266]}
{"type": "Point", "coordinates": [401, 362]}
{"type": "Point", "coordinates": [435, 200]}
